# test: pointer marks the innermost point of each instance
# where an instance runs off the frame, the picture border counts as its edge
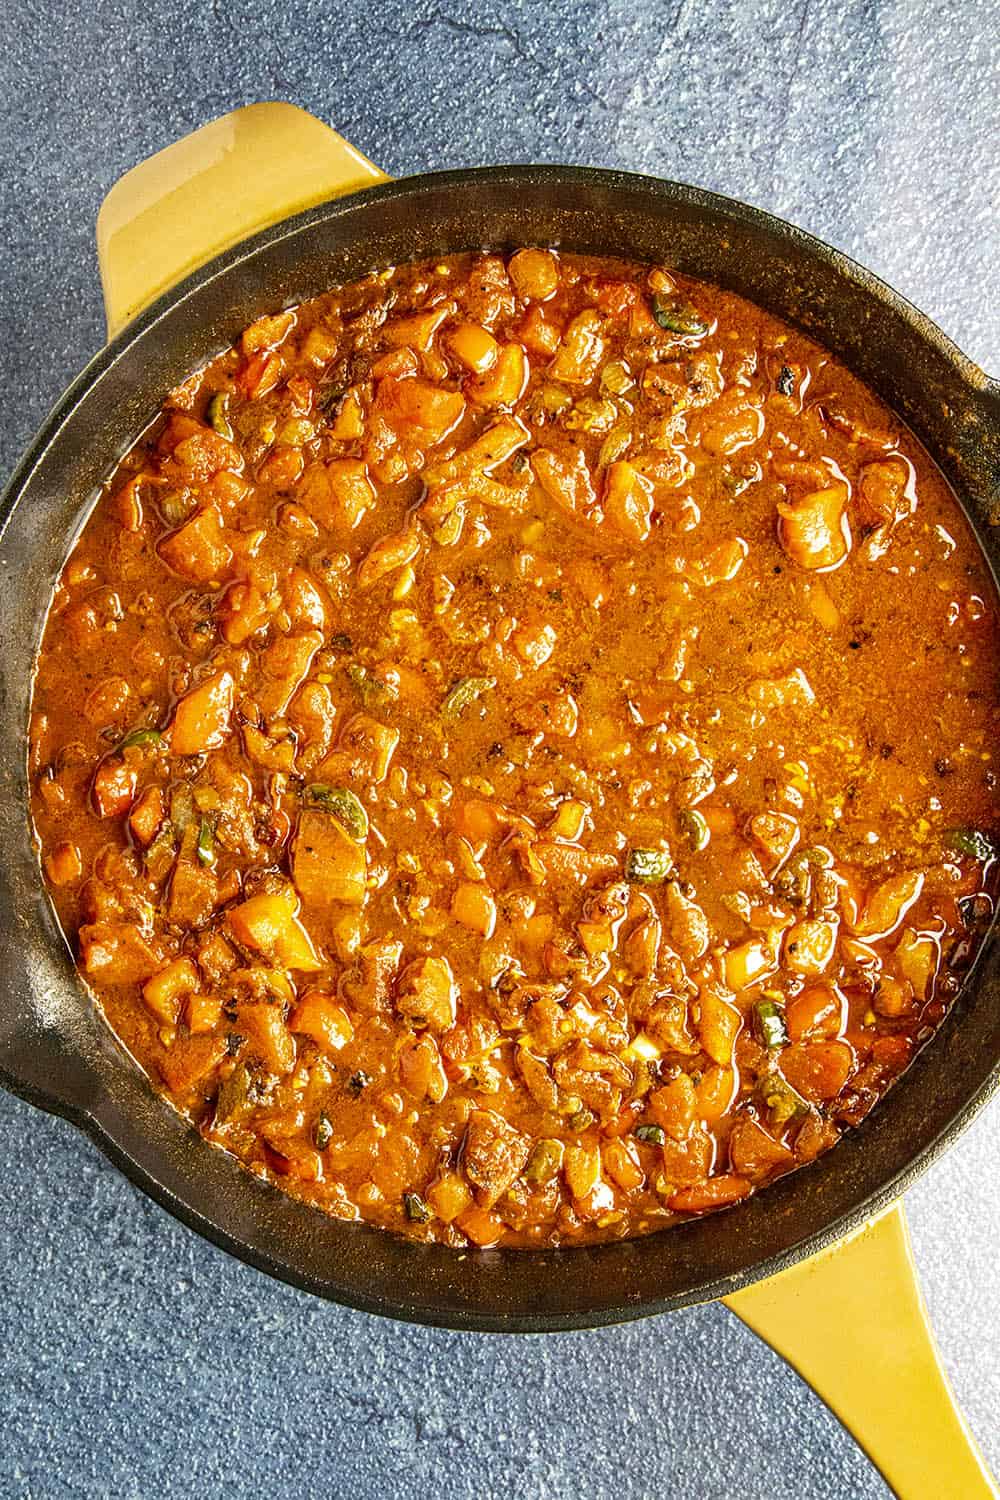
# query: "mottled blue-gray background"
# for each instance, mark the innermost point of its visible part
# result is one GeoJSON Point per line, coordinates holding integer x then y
{"type": "Point", "coordinates": [136, 1360]}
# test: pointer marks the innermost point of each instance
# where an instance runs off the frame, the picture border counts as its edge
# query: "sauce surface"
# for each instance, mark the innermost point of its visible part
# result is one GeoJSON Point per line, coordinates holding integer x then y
{"type": "Point", "coordinates": [512, 749]}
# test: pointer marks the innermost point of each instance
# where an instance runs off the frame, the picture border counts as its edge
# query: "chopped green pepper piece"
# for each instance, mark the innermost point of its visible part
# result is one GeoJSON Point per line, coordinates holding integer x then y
{"type": "Point", "coordinates": [786, 381]}
{"type": "Point", "coordinates": [371, 690]}
{"type": "Point", "coordinates": [544, 1161]}
{"type": "Point", "coordinates": [416, 1209]}
{"type": "Point", "coordinates": [678, 316]}
{"type": "Point", "coordinates": [581, 1119]}
{"type": "Point", "coordinates": [176, 506]}
{"type": "Point", "coordinates": [342, 805]}
{"type": "Point", "coordinates": [141, 737]}
{"type": "Point", "coordinates": [234, 1094]}
{"type": "Point", "coordinates": [206, 842]}
{"type": "Point", "coordinates": [217, 415]}
{"type": "Point", "coordinates": [654, 1135]}
{"type": "Point", "coordinates": [971, 841]}
{"type": "Point", "coordinates": [160, 854]}
{"type": "Point", "coordinates": [358, 1082]}
{"type": "Point", "coordinates": [322, 1133]}
{"type": "Point", "coordinates": [332, 398]}
{"type": "Point", "coordinates": [975, 911]}
{"type": "Point", "coordinates": [465, 691]}
{"type": "Point", "coordinates": [694, 828]}
{"type": "Point", "coordinates": [793, 881]}
{"type": "Point", "coordinates": [770, 1019]}
{"type": "Point", "coordinates": [648, 866]}
{"type": "Point", "coordinates": [784, 1102]}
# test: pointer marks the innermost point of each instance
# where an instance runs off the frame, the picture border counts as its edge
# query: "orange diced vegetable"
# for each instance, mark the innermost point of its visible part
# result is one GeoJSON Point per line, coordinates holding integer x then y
{"type": "Point", "coordinates": [818, 1010]}
{"type": "Point", "coordinates": [722, 563]}
{"type": "Point", "coordinates": [888, 904]}
{"type": "Point", "coordinates": [718, 1026]}
{"type": "Point", "coordinates": [750, 962]}
{"type": "Point", "coordinates": [716, 1092]}
{"type": "Point", "coordinates": [565, 480]}
{"type": "Point", "coordinates": [269, 923]}
{"type": "Point", "coordinates": [621, 1163]}
{"type": "Point", "coordinates": [918, 955]}
{"type": "Point", "coordinates": [284, 667]}
{"type": "Point", "coordinates": [580, 353]}
{"type": "Point", "coordinates": [535, 274]}
{"type": "Point", "coordinates": [190, 1060]}
{"type": "Point", "coordinates": [755, 1153]}
{"type": "Point", "coordinates": [417, 331]}
{"type": "Point", "coordinates": [164, 991]}
{"type": "Point", "coordinates": [199, 549]}
{"type": "Point", "coordinates": [776, 833]}
{"type": "Point", "coordinates": [717, 1192]}
{"type": "Point", "coordinates": [582, 1166]}
{"type": "Point", "coordinates": [478, 821]}
{"type": "Point", "coordinates": [482, 1228]}
{"type": "Point", "coordinates": [64, 865]}
{"type": "Point", "coordinates": [327, 864]}
{"type": "Point", "coordinates": [537, 333]}
{"type": "Point", "coordinates": [534, 644]}
{"type": "Point", "coordinates": [813, 529]}
{"type": "Point", "coordinates": [337, 493]}
{"type": "Point", "coordinates": [474, 346]}
{"type": "Point", "coordinates": [388, 554]}
{"type": "Point", "coordinates": [147, 815]}
{"type": "Point", "coordinates": [202, 1012]}
{"type": "Point", "coordinates": [810, 946]}
{"type": "Point", "coordinates": [349, 421]}
{"type": "Point", "coordinates": [242, 612]}
{"type": "Point", "coordinates": [116, 953]}
{"type": "Point", "coordinates": [318, 1016]}
{"type": "Point", "coordinates": [449, 1197]}
{"type": "Point", "coordinates": [474, 906]}
{"type": "Point", "coordinates": [817, 1070]}
{"type": "Point", "coordinates": [364, 751]}
{"type": "Point", "coordinates": [628, 502]}
{"type": "Point", "coordinates": [268, 1036]}
{"type": "Point", "coordinates": [113, 787]}
{"type": "Point", "coordinates": [504, 382]}
{"type": "Point", "coordinates": [674, 1107]}
{"type": "Point", "coordinates": [203, 717]}
{"type": "Point", "coordinates": [421, 1069]}
{"type": "Point", "coordinates": [427, 994]}
{"type": "Point", "coordinates": [268, 332]}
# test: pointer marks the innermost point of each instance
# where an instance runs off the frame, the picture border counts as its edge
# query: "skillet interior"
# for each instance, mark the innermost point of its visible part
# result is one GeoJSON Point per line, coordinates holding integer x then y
{"type": "Point", "coordinates": [54, 1048]}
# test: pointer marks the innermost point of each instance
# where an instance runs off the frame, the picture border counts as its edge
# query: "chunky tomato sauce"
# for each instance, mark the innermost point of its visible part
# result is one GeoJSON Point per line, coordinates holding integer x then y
{"type": "Point", "coordinates": [512, 749]}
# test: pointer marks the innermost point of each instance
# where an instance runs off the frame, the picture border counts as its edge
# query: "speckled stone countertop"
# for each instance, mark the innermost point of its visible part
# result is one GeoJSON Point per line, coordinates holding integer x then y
{"type": "Point", "coordinates": [137, 1360]}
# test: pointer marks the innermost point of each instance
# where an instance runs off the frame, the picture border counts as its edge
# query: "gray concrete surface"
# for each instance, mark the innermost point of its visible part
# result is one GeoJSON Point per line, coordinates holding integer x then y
{"type": "Point", "coordinates": [138, 1361]}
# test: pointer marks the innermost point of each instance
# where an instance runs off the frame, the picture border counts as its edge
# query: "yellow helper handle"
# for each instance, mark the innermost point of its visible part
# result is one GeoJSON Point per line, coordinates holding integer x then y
{"type": "Point", "coordinates": [853, 1323]}
{"type": "Point", "coordinates": [234, 176]}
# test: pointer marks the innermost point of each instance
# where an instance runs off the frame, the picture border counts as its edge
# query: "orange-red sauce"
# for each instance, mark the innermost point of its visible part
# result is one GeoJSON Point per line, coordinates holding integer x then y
{"type": "Point", "coordinates": [512, 748]}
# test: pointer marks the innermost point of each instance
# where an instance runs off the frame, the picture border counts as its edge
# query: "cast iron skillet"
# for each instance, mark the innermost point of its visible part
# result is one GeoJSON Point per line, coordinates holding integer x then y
{"type": "Point", "coordinates": [57, 1052]}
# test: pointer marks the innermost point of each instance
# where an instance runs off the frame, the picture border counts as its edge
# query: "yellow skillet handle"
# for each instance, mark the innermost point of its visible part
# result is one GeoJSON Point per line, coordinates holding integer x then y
{"type": "Point", "coordinates": [852, 1322]}
{"type": "Point", "coordinates": [210, 190]}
